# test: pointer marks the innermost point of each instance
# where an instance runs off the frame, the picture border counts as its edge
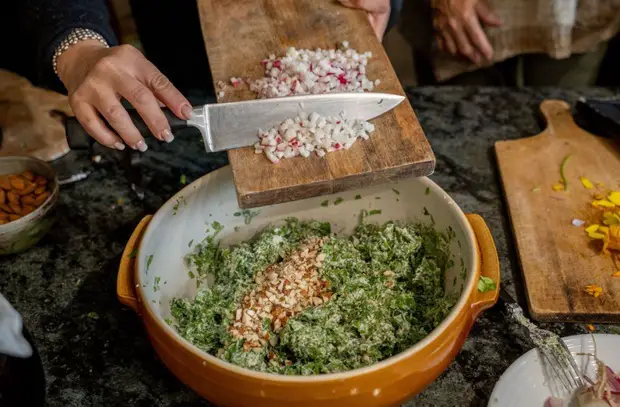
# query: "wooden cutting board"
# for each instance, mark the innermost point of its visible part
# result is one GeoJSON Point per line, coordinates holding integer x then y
{"type": "Point", "coordinates": [238, 34]}
{"type": "Point", "coordinates": [558, 259]}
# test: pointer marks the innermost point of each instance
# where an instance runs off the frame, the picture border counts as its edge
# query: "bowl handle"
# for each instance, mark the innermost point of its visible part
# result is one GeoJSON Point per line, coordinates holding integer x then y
{"type": "Point", "coordinates": [125, 290]}
{"type": "Point", "coordinates": [489, 264]}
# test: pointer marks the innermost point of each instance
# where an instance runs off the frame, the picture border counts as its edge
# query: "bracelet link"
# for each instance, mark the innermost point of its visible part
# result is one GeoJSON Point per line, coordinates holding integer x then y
{"type": "Point", "coordinates": [75, 36]}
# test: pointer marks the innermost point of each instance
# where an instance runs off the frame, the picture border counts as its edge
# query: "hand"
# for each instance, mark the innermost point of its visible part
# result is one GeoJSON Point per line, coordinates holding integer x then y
{"type": "Point", "coordinates": [459, 29]}
{"type": "Point", "coordinates": [97, 78]}
{"type": "Point", "coordinates": [378, 13]}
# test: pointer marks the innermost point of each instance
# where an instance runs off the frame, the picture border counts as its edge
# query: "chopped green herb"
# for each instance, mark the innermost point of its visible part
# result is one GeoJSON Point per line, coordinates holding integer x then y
{"type": "Point", "coordinates": [149, 260]}
{"type": "Point", "coordinates": [377, 197]}
{"type": "Point", "coordinates": [396, 191]}
{"type": "Point", "coordinates": [191, 274]}
{"type": "Point", "coordinates": [132, 254]}
{"type": "Point", "coordinates": [374, 212]}
{"type": "Point", "coordinates": [93, 315]}
{"type": "Point", "coordinates": [248, 215]}
{"type": "Point", "coordinates": [191, 242]}
{"type": "Point", "coordinates": [358, 197]}
{"type": "Point", "coordinates": [78, 282]}
{"type": "Point", "coordinates": [325, 203]}
{"type": "Point", "coordinates": [338, 201]}
{"type": "Point", "coordinates": [156, 281]}
{"type": "Point", "coordinates": [427, 213]}
{"type": "Point", "coordinates": [428, 191]}
{"type": "Point", "coordinates": [371, 315]}
{"type": "Point", "coordinates": [217, 227]}
{"type": "Point", "coordinates": [237, 228]}
{"type": "Point", "coordinates": [486, 284]}
{"type": "Point", "coordinates": [183, 179]}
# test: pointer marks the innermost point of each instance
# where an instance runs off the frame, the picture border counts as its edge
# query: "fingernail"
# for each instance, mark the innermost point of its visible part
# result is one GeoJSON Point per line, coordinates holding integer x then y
{"type": "Point", "coordinates": [167, 136]}
{"type": "Point", "coordinates": [187, 111]}
{"type": "Point", "coordinates": [119, 146]}
{"type": "Point", "coordinates": [141, 145]}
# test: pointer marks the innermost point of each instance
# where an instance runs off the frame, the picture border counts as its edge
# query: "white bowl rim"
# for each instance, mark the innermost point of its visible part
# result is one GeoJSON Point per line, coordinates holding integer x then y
{"type": "Point", "coordinates": [327, 377]}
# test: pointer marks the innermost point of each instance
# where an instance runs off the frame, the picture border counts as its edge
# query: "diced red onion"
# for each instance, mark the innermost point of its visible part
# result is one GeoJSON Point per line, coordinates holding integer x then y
{"type": "Point", "coordinates": [306, 71]}
{"type": "Point", "coordinates": [306, 134]}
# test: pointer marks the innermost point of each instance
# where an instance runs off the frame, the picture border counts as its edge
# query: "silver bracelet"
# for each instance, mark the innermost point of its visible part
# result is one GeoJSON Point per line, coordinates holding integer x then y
{"type": "Point", "coordinates": [75, 36]}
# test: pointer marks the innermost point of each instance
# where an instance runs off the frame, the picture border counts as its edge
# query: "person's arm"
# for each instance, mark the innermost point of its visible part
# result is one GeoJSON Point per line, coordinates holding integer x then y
{"type": "Point", "coordinates": [98, 74]}
{"type": "Point", "coordinates": [50, 21]}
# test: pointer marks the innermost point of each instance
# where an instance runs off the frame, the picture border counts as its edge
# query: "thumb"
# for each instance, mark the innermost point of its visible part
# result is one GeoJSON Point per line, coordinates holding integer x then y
{"type": "Point", "coordinates": [486, 15]}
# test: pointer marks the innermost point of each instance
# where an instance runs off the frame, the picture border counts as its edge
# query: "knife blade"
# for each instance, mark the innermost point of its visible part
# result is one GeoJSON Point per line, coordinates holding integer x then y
{"type": "Point", "coordinates": [226, 126]}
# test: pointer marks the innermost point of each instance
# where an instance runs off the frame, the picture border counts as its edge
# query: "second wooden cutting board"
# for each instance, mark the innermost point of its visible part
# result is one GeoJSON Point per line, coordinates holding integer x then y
{"type": "Point", "coordinates": [557, 258]}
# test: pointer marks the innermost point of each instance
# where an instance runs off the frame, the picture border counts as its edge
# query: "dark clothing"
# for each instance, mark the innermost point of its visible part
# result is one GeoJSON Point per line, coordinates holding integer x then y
{"type": "Point", "coordinates": [169, 31]}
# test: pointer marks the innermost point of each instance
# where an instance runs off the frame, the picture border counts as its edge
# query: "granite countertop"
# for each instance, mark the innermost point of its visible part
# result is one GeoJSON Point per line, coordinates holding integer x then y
{"type": "Point", "coordinates": [96, 352]}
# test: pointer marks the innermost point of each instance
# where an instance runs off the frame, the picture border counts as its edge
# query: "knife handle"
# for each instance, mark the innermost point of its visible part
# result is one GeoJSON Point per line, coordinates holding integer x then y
{"type": "Point", "coordinates": [79, 139]}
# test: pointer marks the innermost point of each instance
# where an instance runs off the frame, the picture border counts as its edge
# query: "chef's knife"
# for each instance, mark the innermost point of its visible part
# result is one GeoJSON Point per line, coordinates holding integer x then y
{"type": "Point", "coordinates": [225, 126]}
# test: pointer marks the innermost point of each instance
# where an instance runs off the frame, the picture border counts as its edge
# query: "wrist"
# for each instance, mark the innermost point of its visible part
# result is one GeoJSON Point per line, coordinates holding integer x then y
{"type": "Point", "coordinates": [76, 57]}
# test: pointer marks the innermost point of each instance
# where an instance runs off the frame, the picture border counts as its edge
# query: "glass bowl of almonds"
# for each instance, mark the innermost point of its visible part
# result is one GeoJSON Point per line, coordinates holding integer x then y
{"type": "Point", "coordinates": [28, 195]}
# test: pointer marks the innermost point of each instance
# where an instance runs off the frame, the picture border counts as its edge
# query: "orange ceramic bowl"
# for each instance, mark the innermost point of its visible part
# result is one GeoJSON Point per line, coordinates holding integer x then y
{"type": "Point", "coordinates": [152, 272]}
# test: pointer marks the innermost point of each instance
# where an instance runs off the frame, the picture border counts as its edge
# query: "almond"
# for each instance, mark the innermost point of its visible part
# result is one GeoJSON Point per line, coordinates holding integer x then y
{"type": "Point", "coordinates": [30, 187]}
{"type": "Point", "coordinates": [2, 196]}
{"type": "Point", "coordinates": [13, 198]}
{"type": "Point", "coordinates": [41, 198]}
{"type": "Point", "coordinates": [17, 182]}
{"type": "Point", "coordinates": [15, 208]}
{"type": "Point", "coordinates": [28, 200]}
{"type": "Point", "coordinates": [28, 175]}
{"type": "Point", "coordinates": [40, 180]}
{"type": "Point", "coordinates": [5, 183]}
{"type": "Point", "coordinates": [39, 190]}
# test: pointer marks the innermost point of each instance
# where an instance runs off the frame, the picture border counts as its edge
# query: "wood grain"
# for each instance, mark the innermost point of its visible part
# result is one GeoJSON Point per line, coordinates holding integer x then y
{"type": "Point", "coordinates": [558, 259]}
{"type": "Point", "coordinates": [238, 34]}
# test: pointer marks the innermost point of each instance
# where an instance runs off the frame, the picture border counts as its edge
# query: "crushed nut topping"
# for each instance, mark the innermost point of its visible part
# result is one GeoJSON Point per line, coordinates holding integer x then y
{"type": "Point", "coordinates": [283, 290]}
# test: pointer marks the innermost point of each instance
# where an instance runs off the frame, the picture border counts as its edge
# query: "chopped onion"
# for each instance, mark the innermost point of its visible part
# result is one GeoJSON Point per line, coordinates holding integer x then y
{"type": "Point", "coordinates": [578, 222]}
{"type": "Point", "coordinates": [305, 71]}
{"type": "Point", "coordinates": [306, 134]}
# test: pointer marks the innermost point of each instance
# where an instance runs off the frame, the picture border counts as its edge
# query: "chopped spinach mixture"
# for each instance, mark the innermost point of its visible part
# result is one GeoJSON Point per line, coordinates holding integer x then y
{"type": "Point", "coordinates": [386, 292]}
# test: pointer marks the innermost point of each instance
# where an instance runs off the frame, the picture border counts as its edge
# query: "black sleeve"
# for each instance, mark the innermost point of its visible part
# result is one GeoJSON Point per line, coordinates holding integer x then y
{"type": "Point", "coordinates": [48, 22]}
{"type": "Point", "coordinates": [395, 8]}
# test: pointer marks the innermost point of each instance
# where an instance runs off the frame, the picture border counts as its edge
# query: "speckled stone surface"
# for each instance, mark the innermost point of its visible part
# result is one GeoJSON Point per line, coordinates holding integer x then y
{"type": "Point", "coordinates": [95, 351]}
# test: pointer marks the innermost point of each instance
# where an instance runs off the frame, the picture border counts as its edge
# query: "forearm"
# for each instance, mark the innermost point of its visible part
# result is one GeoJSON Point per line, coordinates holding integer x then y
{"type": "Point", "coordinates": [50, 21]}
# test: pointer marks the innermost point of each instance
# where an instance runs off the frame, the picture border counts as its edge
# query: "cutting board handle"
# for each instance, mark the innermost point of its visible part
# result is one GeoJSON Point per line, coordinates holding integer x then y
{"type": "Point", "coordinates": [125, 281]}
{"type": "Point", "coordinates": [488, 266]}
{"type": "Point", "coordinates": [558, 115]}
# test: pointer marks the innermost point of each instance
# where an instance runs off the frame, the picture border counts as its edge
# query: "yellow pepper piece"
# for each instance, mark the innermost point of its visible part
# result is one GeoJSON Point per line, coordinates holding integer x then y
{"type": "Point", "coordinates": [590, 327]}
{"type": "Point", "coordinates": [586, 182]}
{"type": "Point", "coordinates": [596, 235]}
{"type": "Point", "coordinates": [592, 228]}
{"type": "Point", "coordinates": [611, 218]}
{"type": "Point", "coordinates": [604, 203]}
{"type": "Point", "coordinates": [598, 196]}
{"type": "Point", "coordinates": [614, 197]}
{"type": "Point", "coordinates": [593, 290]}
{"type": "Point", "coordinates": [603, 229]}
{"type": "Point", "coordinates": [558, 187]}
{"type": "Point", "coordinates": [616, 274]}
